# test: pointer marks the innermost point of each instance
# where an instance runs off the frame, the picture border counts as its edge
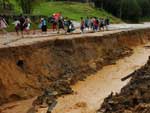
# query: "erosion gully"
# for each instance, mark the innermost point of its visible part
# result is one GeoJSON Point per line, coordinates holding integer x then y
{"type": "Point", "coordinates": [89, 94]}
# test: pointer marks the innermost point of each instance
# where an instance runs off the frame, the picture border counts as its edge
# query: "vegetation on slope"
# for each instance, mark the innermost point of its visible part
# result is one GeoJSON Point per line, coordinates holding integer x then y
{"type": "Point", "coordinates": [71, 9]}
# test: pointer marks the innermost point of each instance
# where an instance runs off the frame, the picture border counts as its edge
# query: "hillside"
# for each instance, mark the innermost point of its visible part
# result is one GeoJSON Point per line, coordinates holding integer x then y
{"type": "Point", "coordinates": [71, 9]}
{"type": "Point", "coordinates": [74, 10]}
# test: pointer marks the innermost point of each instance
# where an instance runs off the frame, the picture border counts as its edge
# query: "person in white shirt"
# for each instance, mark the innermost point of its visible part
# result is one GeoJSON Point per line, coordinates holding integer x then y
{"type": "Point", "coordinates": [3, 25]}
{"type": "Point", "coordinates": [17, 26]}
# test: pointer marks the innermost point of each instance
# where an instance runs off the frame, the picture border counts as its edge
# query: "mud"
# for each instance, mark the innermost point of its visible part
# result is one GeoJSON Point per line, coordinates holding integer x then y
{"type": "Point", "coordinates": [134, 97]}
{"type": "Point", "coordinates": [27, 70]}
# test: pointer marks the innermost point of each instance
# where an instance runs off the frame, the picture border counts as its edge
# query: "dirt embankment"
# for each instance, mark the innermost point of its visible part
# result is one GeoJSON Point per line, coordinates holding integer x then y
{"type": "Point", "coordinates": [27, 70]}
{"type": "Point", "coordinates": [134, 97]}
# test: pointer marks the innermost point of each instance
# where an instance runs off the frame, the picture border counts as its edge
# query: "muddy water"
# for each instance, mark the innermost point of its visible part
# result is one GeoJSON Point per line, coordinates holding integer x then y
{"type": "Point", "coordinates": [90, 93]}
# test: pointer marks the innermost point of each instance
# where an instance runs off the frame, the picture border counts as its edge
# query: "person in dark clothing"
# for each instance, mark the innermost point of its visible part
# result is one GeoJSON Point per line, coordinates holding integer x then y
{"type": "Point", "coordinates": [70, 26]}
{"type": "Point", "coordinates": [102, 24]}
{"type": "Point", "coordinates": [22, 23]}
{"type": "Point", "coordinates": [107, 22]}
{"type": "Point", "coordinates": [61, 25]}
{"type": "Point", "coordinates": [43, 25]}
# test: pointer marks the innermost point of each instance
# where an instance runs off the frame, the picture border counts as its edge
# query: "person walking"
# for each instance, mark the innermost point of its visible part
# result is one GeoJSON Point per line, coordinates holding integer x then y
{"type": "Point", "coordinates": [43, 25]}
{"type": "Point", "coordinates": [54, 25]}
{"type": "Point", "coordinates": [70, 26]}
{"type": "Point", "coordinates": [107, 22]}
{"type": "Point", "coordinates": [61, 25]}
{"type": "Point", "coordinates": [27, 25]}
{"type": "Point", "coordinates": [3, 25]}
{"type": "Point", "coordinates": [82, 25]}
{"type": "Point", "coordinates": [102, 24]}
{"type": "Point", "coordinates": [92, 23]}
{"type": "Point", "coordinates": [96, 24]}
{"type": "Point", "coordinates": [87, 23]}
{"type": "Point", "coordinates": [22, 26]}
{"type": "Point", "coordinates": [17, 25]}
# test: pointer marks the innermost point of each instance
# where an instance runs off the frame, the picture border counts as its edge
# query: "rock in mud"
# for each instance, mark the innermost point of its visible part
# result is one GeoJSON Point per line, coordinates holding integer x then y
{"type": "Point", "coordinates": [49, 97]}
{"type": "Point", "coordinates": [134, 97]}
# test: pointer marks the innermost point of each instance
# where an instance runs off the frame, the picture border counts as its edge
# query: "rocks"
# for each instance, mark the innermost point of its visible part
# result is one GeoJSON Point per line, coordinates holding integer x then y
{"type": "Point", "coordinates": [134, 97]}
{"type": "Point", "coordinates": [56, 89]}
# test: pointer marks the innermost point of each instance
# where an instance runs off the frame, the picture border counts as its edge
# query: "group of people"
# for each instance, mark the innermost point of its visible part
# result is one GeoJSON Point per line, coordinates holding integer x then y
{"type": "Point", "coordinates": [22, 24]}
{"type": "Point", "coordinates": [94, 23]}
{"type": "Point", "coordinates": [58, 22]}
{"type": "Point", "coordinates": [61, 23]}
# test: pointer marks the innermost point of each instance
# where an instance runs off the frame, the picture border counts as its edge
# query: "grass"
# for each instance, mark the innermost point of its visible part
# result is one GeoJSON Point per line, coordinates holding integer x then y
{"type": "Point", "coordinates": [72, 10]}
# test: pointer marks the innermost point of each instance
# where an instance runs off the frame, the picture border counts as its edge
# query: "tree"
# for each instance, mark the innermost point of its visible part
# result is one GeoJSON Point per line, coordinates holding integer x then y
{"type": "Point", "coordinates": [26, 6]}
{"type": "Point", "coordinates": [6, 6]}
{"type": "Point", "coordinates": [145, 7]}
{"type": "Point", "coordinates": [131, 10]}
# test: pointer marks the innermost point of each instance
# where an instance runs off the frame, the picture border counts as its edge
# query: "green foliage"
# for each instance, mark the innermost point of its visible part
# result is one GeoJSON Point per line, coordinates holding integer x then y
{"type": "Point", "coordinates": [132, 9]}
{"type": "Point", "coordinates": [6, 6]}
{"type": "Point", "coordinates": [145, 7]}
{"type": "Point", "coordinates": [126, 9]}
{"type": "Point", "coordinates": [72, 10]}
{"type": "Point", "coordinates": [25, 5]}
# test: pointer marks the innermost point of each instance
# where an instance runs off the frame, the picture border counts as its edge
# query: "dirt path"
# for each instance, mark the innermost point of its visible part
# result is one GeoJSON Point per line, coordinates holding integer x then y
{"type": "Point", "coordinates": [91, 92]}
{"type": "Point", "coordinates": [11, 39]}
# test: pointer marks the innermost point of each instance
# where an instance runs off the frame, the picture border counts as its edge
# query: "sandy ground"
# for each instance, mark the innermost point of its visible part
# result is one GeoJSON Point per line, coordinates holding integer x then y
{"type": "Point", "coordinates": [90, 93]}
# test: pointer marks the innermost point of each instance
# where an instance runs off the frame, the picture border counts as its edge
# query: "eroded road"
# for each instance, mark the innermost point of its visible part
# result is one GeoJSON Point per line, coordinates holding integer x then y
{"type": "Point", "coordinates": [11, 39]}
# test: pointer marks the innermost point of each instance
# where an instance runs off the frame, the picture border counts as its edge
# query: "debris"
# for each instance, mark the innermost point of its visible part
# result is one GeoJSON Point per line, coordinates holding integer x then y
{"type": "Point", "coordinates": [134, 97]}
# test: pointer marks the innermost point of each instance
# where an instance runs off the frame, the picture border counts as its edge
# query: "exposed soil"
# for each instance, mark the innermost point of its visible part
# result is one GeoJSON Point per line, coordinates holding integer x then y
{"type": "Point", "coordinates": [101, 84]}
{"type": "Point", "coordinates": [134, 97]}
{"type": "Point", "coordinates": [49, 67]}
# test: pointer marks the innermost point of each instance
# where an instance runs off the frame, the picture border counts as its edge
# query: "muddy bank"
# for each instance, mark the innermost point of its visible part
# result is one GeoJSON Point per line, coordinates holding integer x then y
{"type": "Point", "coordinates": [26, 71]}
{"type": "Point", "coordinates": [134, 97]}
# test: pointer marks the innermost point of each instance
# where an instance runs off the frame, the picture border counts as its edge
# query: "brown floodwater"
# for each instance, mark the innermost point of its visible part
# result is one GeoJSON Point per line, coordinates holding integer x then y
{"type": "Point", "coordinates": [89, 94]}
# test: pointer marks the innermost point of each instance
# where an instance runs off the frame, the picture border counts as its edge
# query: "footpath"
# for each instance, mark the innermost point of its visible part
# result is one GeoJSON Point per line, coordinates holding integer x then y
{"type": "Point", "coordinates": [11, 39]}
